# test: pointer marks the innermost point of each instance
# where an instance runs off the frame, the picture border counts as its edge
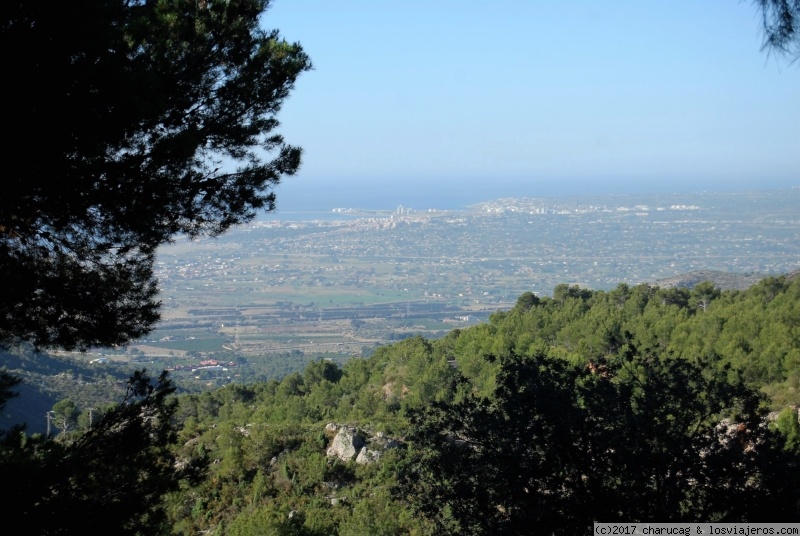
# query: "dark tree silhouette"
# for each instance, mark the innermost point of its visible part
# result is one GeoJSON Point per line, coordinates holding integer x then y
{"type": "Point", "coordinates": [781, 23]}
{"type": "Point", "coordinates": [557, 447]}
{"type": "Point", "coordinates": [127, 123]}
{"type": "Point", "coordinates": [112, 476]}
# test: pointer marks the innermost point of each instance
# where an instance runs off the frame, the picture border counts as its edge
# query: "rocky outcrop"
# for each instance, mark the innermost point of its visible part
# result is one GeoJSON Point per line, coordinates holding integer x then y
{"type": "Point", "coordinates": [348, 443]}
{"type": "Point", "coordinates": [366, 456]}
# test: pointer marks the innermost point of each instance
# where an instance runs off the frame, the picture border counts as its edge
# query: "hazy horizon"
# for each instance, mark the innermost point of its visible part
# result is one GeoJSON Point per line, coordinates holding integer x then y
{"type": "Point", "coordinates": [468, 101]}
{"type": "Point", "coordinates": [296, 194]}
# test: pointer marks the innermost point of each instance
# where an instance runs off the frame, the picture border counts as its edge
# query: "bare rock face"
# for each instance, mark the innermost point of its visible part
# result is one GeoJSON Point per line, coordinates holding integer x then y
{"type": "Point", "coordinates": [331, 428]}
{"type": "Point", "coordinates": [349, 443]}
{"type": "Point", "coordinates": [367, 456]}
{"type": "Point", "coordinates": [346, 445]}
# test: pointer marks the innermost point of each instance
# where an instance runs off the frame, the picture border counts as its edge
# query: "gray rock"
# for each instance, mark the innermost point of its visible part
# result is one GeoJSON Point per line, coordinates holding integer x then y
{"type": "Point", "coordinates": [346, 444]}
{"type": "Point", "coordinates": [367, 456]}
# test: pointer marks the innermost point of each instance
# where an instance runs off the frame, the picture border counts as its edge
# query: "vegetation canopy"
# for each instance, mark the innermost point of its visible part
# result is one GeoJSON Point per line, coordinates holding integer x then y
{"type": "Point", "coordinates": [115, 473]}
{"type": "Point", "coordinates": [635, 439]}
{"type": "Point", "coordinates": [781, 23]}
{"type": "Point", "coordinates": [134, 121]}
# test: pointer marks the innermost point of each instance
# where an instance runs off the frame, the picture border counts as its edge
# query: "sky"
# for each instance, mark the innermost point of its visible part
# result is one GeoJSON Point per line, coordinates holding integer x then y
{"type": "Point", "coordinates": [509, 97]}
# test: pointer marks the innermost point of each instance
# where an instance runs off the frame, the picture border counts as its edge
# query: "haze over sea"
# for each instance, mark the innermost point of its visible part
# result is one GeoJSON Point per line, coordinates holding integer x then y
{"type": "Point", "coordinates": [299, 198]}
{"type": "Point", "coordinates": [445, 104]}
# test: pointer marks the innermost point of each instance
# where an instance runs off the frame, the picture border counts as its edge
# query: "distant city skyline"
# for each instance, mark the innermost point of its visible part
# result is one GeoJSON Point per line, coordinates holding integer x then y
{"type": "Point", "coordinates": [514, 96]}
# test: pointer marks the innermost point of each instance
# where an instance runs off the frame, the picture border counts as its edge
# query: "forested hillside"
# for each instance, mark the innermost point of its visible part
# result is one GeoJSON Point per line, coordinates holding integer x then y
{"type": "Point", "coordinates": [48, 380]}
{"type": "Point", "coordinates": [635, 404]}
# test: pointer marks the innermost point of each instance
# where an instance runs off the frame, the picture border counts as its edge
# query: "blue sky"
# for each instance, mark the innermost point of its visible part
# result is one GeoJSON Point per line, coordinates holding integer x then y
{"type": "Point", "coordinates": [438, 94]}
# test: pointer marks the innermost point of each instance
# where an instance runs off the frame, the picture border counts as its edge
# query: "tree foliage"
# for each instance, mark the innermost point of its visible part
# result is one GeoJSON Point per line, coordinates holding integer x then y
{"type": "Point", "coordinates": [133, 121]}
{"type": "Point", "coordinates": [558, 447]}
{"type": "Point", "coordinates": [752, 331]}
{"type": "Point", "coordinates": [781, 23]}
{"type": "Point", "coordinates": [114, 474]}
{"type": "Point", "coordinates": [65, 413]}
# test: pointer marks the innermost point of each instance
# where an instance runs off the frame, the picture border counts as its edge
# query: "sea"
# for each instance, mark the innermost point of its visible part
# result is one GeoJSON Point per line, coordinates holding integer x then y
{"type": "Point", "coordinates": [299, 198]}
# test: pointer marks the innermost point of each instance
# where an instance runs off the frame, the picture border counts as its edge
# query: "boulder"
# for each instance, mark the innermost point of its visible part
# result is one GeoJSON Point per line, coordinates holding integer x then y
{"type": "Point", "coordinates": [366, 456]}
{"type": "Point", "coordinates": [346, 445]}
